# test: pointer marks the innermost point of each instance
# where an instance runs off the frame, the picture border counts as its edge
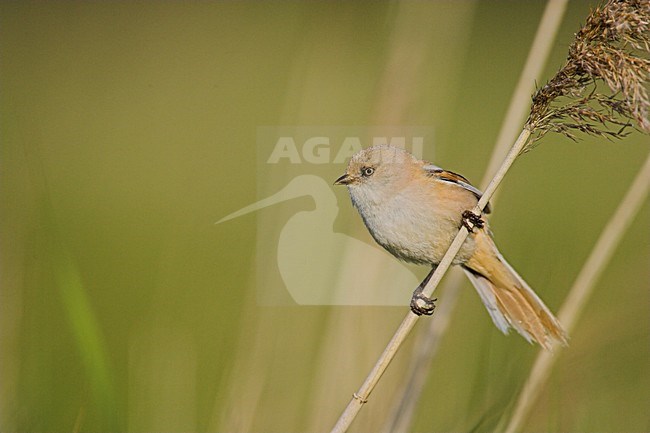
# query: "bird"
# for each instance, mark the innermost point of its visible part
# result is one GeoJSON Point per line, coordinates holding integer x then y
{"type": "Point", "coordinates": [414, 209]}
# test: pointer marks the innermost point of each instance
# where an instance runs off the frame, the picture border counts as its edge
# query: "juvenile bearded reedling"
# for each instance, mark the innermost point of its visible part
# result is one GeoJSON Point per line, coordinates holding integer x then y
{"type": "Point", "coordinates": [414, 210]}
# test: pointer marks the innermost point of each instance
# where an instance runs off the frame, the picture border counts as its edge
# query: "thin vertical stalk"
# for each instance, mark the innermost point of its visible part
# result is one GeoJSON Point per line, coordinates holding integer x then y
{"type": "Point", "coordinates": [520, 101]}
{"type": "Point", "coordinates": [405, 403]}
{"type": "Point", "coordinates": [424, 350]}
{"type": "Point", "coordinates": [582, 289]}
{"type": "Point", "coordinates": [361, 396]}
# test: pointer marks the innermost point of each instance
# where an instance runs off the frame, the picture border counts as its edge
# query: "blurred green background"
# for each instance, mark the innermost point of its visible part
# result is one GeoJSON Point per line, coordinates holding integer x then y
{"type": "Point", "coordinates": [128, 129]}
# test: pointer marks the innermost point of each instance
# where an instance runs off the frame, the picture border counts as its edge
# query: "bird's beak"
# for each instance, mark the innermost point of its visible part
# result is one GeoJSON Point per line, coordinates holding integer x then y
{"type": "Point", "coordinates": [346, 179]}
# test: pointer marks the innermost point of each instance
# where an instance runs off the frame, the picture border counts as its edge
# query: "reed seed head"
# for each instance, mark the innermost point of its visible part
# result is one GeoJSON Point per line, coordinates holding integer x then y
{"type": "Point", "coordinates": [602, 89]}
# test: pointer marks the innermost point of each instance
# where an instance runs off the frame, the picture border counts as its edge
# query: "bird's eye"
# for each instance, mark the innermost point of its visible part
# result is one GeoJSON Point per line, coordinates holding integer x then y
{"type": "Point", "coordinates": [367, 171]}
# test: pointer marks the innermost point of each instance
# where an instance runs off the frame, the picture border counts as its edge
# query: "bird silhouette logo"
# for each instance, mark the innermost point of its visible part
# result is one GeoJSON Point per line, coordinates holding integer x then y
{"type": "Point", "coordinates": [322, 267]}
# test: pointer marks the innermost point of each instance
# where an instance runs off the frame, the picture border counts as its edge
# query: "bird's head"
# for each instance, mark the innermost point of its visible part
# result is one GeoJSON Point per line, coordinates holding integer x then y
{"type": "Point", "coordinates": [379, 166]}
{"type": "Point", "coordinates": [378, 173]}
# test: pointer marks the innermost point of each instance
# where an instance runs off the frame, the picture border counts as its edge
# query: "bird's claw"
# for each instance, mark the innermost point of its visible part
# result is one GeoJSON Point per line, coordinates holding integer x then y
{"type": "Point", "coordinates": [421, 304]}
{"type": "Point", "coordinates": [471, 220]}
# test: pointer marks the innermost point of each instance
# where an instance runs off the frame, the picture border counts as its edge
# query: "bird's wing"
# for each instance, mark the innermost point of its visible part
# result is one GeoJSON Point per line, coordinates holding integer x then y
{"type": "Point", "coordinates": [454, 178]}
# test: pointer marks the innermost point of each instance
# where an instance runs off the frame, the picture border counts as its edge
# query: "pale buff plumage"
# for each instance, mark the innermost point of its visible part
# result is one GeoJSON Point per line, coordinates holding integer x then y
{"type": "Point", "coordinates": [414, 210]}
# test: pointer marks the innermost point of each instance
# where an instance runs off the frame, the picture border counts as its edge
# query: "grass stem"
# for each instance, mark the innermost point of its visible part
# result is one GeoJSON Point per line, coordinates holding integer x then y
{"type": "Point", "coordinates": [405, 401]}
{"type": "Point", "coordinates": [361, 396]}
{"type": "Point", "coordinates": [582, 289]}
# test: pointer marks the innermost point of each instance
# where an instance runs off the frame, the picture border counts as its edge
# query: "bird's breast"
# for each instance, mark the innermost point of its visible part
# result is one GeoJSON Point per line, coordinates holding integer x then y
{"type": "Point", "coordinates": [413, 228]}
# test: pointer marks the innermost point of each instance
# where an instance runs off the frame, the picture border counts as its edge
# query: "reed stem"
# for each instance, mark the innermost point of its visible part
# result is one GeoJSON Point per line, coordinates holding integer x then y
{"type": "Point", "coordinates": [361, 396]}
{"type": "Point", "coordinates": [582, 289]}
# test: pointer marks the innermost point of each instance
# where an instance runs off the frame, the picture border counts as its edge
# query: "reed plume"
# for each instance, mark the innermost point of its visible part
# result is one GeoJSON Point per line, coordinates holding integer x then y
{"type": "Point", "coordinates": [602, 88]}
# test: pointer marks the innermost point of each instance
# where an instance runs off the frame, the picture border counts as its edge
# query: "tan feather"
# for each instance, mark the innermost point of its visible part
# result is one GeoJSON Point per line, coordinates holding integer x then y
{"type": "Point", "coordinates": [510, 301]}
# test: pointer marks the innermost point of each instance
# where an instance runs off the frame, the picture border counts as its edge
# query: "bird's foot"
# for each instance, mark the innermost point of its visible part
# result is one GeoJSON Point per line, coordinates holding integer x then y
{"type": "Point", "coordinates": [421, 304]}
{"type": "Point", "coordinates": [471, 220]}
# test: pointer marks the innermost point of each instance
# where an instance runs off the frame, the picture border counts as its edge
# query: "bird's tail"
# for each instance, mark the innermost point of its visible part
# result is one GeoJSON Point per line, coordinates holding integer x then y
{"type": "Point", "coordinates": [509, 300]}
